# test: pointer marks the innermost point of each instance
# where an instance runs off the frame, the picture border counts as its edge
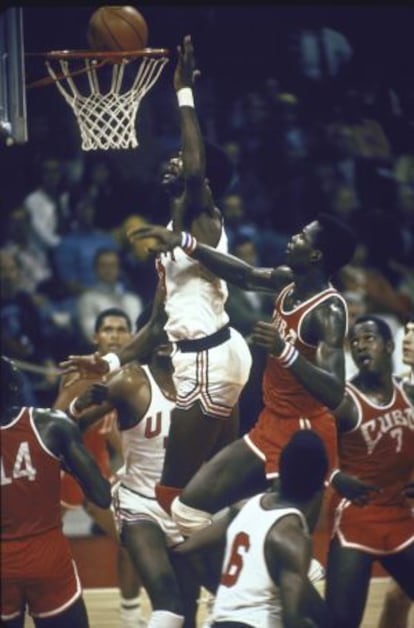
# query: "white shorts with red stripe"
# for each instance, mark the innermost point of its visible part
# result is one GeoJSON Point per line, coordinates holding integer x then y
{"type": "Point", "coordinates": [214, 377]}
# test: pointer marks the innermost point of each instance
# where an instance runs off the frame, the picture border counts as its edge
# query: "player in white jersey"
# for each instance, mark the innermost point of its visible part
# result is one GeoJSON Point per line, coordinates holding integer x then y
{"type": "Point", "coordinates": [144, 397]}
{"type": "Point", "coordinates": [265, 574]}
{"type": "Point", "coordinates": [211, 360]}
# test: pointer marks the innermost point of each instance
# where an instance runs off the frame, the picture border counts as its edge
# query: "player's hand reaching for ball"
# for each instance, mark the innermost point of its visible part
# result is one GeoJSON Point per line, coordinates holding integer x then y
{"type": "Point", "coordinates": [185, 72]}
{"type": "Point", "coordinates": [83, 367]}
{"type": "Point", "coordinates": [354, 489]}
{"type": "Point", "coordinates": [166, 239]}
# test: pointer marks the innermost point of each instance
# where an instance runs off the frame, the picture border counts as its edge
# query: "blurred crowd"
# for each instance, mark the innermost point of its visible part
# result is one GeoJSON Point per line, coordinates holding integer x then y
{"type": "Point", "coordinates": [329, 134]}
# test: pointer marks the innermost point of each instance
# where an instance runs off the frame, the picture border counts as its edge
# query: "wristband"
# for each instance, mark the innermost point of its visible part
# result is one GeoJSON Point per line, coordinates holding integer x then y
{"type": "Point", "coordinates": [72, 410]}
{"type": "Point", "coordinates": [113, 361]}
{"type": "Point", "coordinates": [288, 355]}
{"type": "Point", "coordinates": [185, 97]}
{"type": "Point", "coordinates": [188, 242]}
{"type": "Point", "coordinates": [333, 474]}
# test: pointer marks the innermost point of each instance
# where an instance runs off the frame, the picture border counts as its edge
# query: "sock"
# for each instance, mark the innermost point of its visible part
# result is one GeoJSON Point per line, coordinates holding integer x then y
{"type": "Point", "coordinates": [165, 496]}
{"type": "Point", "coordinates": [130, 612]}
{"type": "Point", "coordinates": [165, 619]}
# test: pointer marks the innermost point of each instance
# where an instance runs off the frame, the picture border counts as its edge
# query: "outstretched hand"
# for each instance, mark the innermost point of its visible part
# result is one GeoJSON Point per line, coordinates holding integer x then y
{"type": "Point", "coordinates": [354, 489]}
{"type": "Point", "coordinates": [185, 72]}
{"type": "Point", "coordinates": [78, 367]}
{"type": "Point", "coordinates": [166, 239]}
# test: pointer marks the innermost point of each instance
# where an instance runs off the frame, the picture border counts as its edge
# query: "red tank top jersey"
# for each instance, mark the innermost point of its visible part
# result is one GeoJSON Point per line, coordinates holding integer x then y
{"type": "Point", "coordinates": [30, 480]}
{"type": "Point", "coordinates": [282, 392]}
{"type": "Point", "coordinates": [380, 449]}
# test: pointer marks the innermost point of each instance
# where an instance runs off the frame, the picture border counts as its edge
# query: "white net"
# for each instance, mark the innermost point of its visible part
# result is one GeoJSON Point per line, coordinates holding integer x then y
{"type": "Point", "coordinates": [107, 116]}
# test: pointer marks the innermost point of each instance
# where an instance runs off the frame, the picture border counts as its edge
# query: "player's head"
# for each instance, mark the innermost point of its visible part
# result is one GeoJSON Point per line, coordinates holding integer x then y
{"type": "Point", "coordinates": [372, 345]}
{"type": "Point", "coordinates": [113, 329]}
{"type": "Point", "coordinates": [12, 385]}
{"type": "Point", "coordinates": [219, 171]}
{"type": "Point", "coordinates": [303, 466]}
{"type": "Point", "coordinates": [327, 243]}
{"type": "Point", "coordinates": [408, 342]}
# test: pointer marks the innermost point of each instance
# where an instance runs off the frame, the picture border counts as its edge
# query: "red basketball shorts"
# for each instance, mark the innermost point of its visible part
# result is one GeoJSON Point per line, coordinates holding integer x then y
{"type": "Point", "coordinates": [40, 571]}
{"type": "Point", "coordinates": [271, 433]}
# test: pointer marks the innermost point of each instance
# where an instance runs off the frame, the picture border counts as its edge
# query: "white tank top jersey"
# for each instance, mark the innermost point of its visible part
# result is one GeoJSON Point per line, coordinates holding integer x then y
{"type": "Point", "coordinates": [195, 297]}
{"type": "Point", "coordinates": [247, 593]}
{"type": "Point", "coordinates": [144, 444]}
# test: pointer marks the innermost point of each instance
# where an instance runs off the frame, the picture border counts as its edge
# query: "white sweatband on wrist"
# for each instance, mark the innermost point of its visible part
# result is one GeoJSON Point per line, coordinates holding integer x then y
{"type": "Point", "coordinates": [72, 409]}
{"type": "Point", "coordinates": [188, 242]}
{"type": "Point", "coordinates": [113, 361]}
{"type": "Point", "coordinates": [288, 355]}
{"type": "Point", "coordinates": [333, 474]}
{"type": "Point", "coordinates": [185, 97]}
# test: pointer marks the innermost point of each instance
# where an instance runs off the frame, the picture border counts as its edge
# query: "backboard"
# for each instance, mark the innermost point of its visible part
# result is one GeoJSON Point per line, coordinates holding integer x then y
{"type": "Point", "coordinates": [13, 118]}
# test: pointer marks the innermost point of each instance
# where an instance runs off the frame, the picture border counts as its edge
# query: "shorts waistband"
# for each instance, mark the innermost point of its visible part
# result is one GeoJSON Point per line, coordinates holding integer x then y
{"type": "Point", "coordinates": [208, 342]}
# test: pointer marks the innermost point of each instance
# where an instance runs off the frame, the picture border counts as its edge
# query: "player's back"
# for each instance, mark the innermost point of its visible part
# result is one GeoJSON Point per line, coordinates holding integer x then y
{"type": "Point", "coordinates": [247, 592]}
{"type": "Point", "coordinates": [30, 479]}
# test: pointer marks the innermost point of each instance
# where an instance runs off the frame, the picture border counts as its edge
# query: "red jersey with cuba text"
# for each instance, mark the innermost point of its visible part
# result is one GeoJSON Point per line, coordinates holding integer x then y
{"type": "Point", "coordinates": [380, 449]}
{"type": "Point", "coordinates": [282, 392]}
{"type": "Point", "coordinates": [27, 467]}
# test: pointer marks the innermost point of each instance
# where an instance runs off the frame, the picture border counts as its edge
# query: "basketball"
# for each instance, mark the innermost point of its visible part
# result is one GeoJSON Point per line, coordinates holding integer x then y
{"type": "Point", "coordinates": [117, 28]}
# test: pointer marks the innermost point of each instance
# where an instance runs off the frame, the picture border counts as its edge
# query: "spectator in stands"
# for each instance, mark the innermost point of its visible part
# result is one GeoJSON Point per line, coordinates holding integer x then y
{"type": "Point", "coordinates": [74, 258]}
{"type": "Point", "coordinates": [48, 204]}
{"type": "Point", "coordinates": [107, 291]}
{"type": "Point", "coordinates": [23, 332]}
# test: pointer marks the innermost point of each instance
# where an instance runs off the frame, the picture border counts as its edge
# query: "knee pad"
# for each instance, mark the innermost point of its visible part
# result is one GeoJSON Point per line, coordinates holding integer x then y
{"type": "Point", "coordinates": [188, 519]}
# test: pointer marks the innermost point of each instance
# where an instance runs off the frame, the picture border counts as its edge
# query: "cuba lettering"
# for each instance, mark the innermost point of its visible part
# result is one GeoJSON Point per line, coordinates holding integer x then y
{"type": "Point", "coordinates": [22, 468]}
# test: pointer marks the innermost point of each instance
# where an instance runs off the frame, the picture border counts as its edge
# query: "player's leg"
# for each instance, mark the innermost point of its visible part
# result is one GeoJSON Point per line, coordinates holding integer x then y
{"type": "Point", "coordinates": [191, 438]}
{"type": "Point", "coordinates": [401, 567]}
{"type": "Point", "coordinates": [347, 578]}
{"type": "Point", "coordinates": [128, 579]}
{"type": "Point", "coordinates": [396, 607]}
{"type": "Point", "coordinates": [232, 474]}
{"type": "Point", "coordinates": [147, 547]}
{"type": "Point", "coordinates": [75, 615]}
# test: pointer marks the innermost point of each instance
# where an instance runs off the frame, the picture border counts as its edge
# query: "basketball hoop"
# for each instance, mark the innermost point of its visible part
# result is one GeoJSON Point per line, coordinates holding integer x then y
{"type": "Point", "coordinates": [105, 113]}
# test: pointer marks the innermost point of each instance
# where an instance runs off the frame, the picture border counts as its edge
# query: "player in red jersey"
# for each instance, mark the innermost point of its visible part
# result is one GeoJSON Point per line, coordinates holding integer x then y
{"type": "Point", "coordinates": [376, 444]}
{"type": "Point", "coordinates": [304, 376]}
{"type": "Point", "coordinates": [37, 568]}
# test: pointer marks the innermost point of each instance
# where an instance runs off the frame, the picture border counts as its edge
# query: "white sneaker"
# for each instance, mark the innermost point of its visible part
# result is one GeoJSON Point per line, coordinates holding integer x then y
{"type": "Point", "coordinates": [316, 571]}
{"type": "Point", "coordinates": [132, 619]}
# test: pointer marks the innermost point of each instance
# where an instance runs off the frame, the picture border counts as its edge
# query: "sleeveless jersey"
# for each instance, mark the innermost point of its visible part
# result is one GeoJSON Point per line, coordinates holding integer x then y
{"type": "Point", "coordinates": [195, 297]}
{"type": "Point", "coordinates": [30, 480]}
{"type": "Point", "coordinates": [380, 449]}
{"type": "Point", "coordinates": [246, 592]}
{"type": "Point", "coordinates": [282, 392]}
{"type": "Point", "coordinates": [144, 444]}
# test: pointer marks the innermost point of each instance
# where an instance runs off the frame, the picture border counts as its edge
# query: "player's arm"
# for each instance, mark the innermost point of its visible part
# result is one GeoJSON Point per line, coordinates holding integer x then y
{"type": "Point", "coordinates": [324, 379]}
{"type": "Point", "coordinates": [121, 393]}
{"type": "Point", "coordinates": [65, 440]}
{"type": "Point", "coordinates": [142, 343]}
{"type": "Point", "coordinates": [288, 555]}
{"type": "Point", "coordinates": [197, 198]}
{"type": "Point", "coordinates": [228, 267]}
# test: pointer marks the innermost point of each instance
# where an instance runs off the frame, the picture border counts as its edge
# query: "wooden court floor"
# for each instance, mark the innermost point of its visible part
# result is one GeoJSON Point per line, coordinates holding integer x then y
{"type": "Point", "coordinates": [103, 604]}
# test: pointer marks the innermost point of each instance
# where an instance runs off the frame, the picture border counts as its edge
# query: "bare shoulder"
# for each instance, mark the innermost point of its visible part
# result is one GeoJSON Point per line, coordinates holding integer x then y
{"type": "Point", "coordinates": [130, 377]}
